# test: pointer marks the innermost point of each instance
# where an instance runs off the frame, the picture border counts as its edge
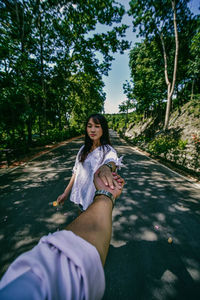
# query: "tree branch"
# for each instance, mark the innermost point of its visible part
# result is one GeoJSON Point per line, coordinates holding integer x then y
{"type": "Point", "coordinates": [165, 59]}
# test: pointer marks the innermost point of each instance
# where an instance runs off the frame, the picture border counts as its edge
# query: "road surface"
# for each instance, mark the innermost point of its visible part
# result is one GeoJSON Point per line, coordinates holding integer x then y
{"type": "Point", "coordinates": [156, 204]}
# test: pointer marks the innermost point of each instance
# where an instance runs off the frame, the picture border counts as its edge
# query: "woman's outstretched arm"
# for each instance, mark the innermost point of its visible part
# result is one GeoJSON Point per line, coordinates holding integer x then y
{"type": "Point", "coordinates": [64, 196]}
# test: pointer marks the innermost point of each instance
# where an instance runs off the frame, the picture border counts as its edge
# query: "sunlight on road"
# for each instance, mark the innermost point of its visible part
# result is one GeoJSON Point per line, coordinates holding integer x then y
{"type": "Point", "coordinates": [155, 238]}
{"type": "Point", "coordinates": [57, 218]}
{"type": "Point", "coordinates": [25, 241]}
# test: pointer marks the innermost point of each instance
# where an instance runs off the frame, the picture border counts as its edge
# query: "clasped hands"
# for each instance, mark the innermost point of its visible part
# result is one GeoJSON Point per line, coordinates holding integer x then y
{"type": "Point", "coordinates": [109, 181]}
{"type": "Point", "coordinates": [103, 179]}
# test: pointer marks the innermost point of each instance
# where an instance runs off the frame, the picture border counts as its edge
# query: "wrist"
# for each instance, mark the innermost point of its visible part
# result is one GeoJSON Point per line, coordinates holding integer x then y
{"type": "Point", "coordinates": [103, 200]}
{"type": "Point", "coordinates": [111, 166]}
{"type": "Point", "coordinates": [105, 194]}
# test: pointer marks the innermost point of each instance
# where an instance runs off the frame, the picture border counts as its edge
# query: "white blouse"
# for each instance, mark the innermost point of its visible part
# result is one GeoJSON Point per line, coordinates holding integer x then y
{"type": "Point", "coordinates": [83, 189]}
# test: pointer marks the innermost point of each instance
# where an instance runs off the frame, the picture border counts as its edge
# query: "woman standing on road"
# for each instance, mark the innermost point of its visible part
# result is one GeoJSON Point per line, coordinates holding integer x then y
{"type": "Point", "coordinates": [96, 152]}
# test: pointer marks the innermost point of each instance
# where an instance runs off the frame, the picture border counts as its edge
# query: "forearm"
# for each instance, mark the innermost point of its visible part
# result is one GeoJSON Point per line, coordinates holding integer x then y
{"type": "Point", "coordinates": [70, 184]}
{"type": "Point", "coordinates": [95, 225]}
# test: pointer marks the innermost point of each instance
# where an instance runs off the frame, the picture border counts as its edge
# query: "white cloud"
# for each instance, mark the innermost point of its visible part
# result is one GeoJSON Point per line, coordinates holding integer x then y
{"type": "Point", "coordinates": [111, 105]}
{"type": "Point", "coordinates": [110, 108]}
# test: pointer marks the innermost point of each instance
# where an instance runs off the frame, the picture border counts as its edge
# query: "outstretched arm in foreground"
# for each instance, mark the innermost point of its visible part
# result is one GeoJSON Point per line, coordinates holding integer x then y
{"type": "Point", "coordinates": [95, 224]}
{"type": "Point", "coordinates": [63, 257]}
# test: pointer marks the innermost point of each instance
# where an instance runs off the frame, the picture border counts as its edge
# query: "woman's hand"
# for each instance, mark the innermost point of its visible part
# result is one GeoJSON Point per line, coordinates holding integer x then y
{"type": "Point", "coordinates": [61, 199]}
{"type": "Point", "coordinates": [107, 177]}
{"type": "Point", "coordinates": [118, 183]}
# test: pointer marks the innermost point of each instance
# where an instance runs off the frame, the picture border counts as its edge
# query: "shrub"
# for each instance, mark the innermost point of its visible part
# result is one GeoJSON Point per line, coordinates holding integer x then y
{"type": "Point", "coordinates": [55, 135]}
{"type": "Point", "coordinates": [164, 144]}
{"type": "Point", "coordinates": [139, 140]}
{"type": "Point", "coordinates": [196, 142]}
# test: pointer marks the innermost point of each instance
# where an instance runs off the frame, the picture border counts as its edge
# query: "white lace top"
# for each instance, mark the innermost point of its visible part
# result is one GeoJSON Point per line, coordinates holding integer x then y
{"type": "Point", "coordinates": [83, 188]}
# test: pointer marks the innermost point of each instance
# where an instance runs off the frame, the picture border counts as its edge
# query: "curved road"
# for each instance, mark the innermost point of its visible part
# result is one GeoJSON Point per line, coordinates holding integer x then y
{"type": "Point", "coordinates": [156, 204]}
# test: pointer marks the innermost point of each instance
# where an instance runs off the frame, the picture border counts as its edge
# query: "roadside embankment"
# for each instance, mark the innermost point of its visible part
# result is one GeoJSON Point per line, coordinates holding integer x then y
{"type": "Point", "coordinates": [178, 146]}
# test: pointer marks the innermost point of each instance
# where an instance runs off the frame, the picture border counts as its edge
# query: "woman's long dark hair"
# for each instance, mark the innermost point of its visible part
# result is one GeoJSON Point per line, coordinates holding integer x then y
{"type": "Point", "coordinates": [104, 140]}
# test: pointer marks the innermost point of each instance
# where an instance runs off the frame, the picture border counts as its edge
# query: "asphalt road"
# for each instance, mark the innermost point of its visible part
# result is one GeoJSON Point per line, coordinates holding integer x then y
{"type": "Point", "coordinates": [156, 204]}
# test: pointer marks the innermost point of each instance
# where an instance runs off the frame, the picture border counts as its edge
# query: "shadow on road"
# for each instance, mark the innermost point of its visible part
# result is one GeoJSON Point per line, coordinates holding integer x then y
{"type": "Point", "coordinates": [156, 204]}
{"type": "Point", "coordinates": [27, 194]}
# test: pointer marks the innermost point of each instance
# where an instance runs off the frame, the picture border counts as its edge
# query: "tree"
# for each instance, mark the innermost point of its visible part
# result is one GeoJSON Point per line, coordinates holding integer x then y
{"type": "Point", "coordinates": [162, 19]}
{"type": "Point", "coordinates": [47, 54]}
{"type": "Point", "coordinates": [16, 22]}
{"type": "Point", "coordinates": [194, 63]}
{"type": "Point", "coordinates": [129, 103]}
{"type": "Point", "coordinates": [145, 62]}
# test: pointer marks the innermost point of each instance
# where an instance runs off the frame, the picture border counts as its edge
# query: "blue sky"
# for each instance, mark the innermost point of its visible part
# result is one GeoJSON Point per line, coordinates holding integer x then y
{"type": "Point", "coordinates": [120, 70]}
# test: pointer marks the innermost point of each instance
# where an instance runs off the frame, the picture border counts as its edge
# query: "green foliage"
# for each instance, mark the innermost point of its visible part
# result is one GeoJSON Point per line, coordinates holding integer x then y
{"type": "Point", "coordinates": [117, 122]}
{"type": "Point", "coordinates": [54, 136]}
{"type": "Point", "coordinates": [120, 123]}
{"type": "Point", "coordinates": [139, 140]}
{"type": "Point", "coordinates": [194, 106]}
{"type": "Point", "coordinates": [147, 75]}
{"type": "Point", "coordinates": [49, 67]}
{"type": "Point", "coordinates": [154, 22]}
{"type": "Point", "coordinates": [164, 144]}
{"type": "Point", "coordinates": [194, 62]}
{"type": "Point", "coordinates": [20, 145]}
{"type": "Point", "coordinates": [129, 103]}
{"type": "Point", "coordinates": [182, 144]}
{"type": "Point", "coordinates": [196, 155]}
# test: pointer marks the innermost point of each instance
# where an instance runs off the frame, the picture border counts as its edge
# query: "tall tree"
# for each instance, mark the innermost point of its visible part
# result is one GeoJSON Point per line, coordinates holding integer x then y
{"type": "Point", "coordinates": [129, 103]}
{"type": "Point", "coordinates": [145, 62]}
{"type": "Point", "coordinates": [16, 23]}
{"type": "Point", "coordinates": [194, 63]}
{"type": "Point", "coordinates": [162, 19]}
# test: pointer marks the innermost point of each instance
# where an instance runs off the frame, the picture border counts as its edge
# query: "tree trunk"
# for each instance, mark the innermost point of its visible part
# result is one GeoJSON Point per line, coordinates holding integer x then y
{"type": "Point", "coordinates": [169, 101]}
{"type": "Point", "coordinates": [59, 118]}
{"type": "Point", "coordinates": [192, 91]}
{"type": "Point", "coordinates": [40, 125]}
{"type": "Point", "coordinates": [21, 28]}
{"type": "Point", "coordinates": [29, 122]}
{"type": "Point", "coordinates": [127, 116]}
{"type": "Point", "coordinates": [170, 87]}
{"type": "Point", "coordinates": [42, 73]}
{"type": "Point", "coordinates": [29, 127]}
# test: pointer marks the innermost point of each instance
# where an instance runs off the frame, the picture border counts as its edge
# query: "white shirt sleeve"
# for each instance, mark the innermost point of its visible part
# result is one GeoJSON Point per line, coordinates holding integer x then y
{"type": "Point", "coordinates": [111, 156]}
{"type": "Point", "coordinates": [63, 266]}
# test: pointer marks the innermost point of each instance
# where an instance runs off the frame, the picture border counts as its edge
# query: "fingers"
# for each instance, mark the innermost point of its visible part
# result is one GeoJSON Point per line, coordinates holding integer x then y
{"type": "Point", "coordinates": [60, 200]}
{"type": "Point", "coordinates": [111, 180]}
{"type": "Point", "coordinates": [120, 181]}
{"type": "Point", "coordinates": [107, 178]}
{"type": "Point", "coordinates": [104, 179]}
{"type": "Point", "coordinates": [115, 184]}
{"type": "Point", "coordinates": [99, 184]}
